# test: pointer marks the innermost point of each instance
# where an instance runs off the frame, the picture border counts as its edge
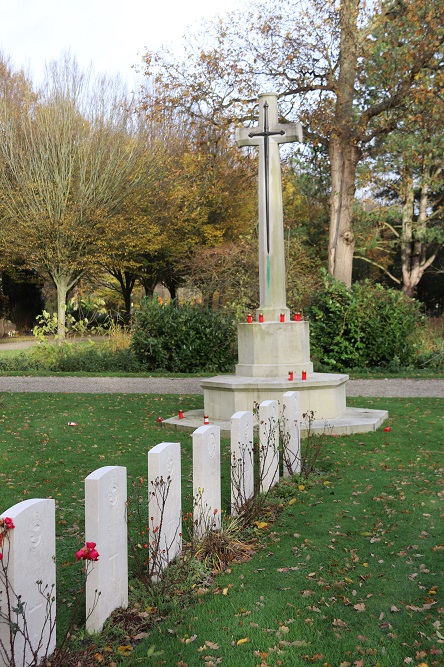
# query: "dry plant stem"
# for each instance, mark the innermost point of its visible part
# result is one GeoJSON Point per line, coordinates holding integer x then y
{"type": "Point", "coordinates": [291, 461]}
{"type": "Point", "coordinates": [238, 482]}
{"type": "Point", "coordinates": [313, 445]}
{"type": "Point", "coordinates": [15, 617]}
{"type": "Point", "coordinates": [147, 567]}
{"type": "Point", "coordinates": [160, 557]}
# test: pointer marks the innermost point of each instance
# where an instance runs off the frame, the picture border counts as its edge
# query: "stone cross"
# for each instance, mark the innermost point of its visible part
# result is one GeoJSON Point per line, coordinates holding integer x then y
{"type": "Point", "coordinates": [268, 136]}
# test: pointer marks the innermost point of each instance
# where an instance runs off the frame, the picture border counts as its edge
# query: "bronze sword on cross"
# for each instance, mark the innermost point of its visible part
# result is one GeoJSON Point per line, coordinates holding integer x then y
{"type": "Point", "coordinates": [266, 133]}
{"type": "Point", "coordinates": [271, 228]}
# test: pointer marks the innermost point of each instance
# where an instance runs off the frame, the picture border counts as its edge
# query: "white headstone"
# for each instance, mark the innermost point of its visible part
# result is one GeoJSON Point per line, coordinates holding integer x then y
{"type": "Point", "coordinates": [242, 459]}
{"type": "Point", "coordinates": [268, 445]}
{"type": "Point", "coordinates": [206, 479]}
{"type": "Point", "coordinates": [291, 428]}
{"type": "Point", "coordinates": [105, 524]}
{"type": "Point", "coordinates": [29, 555]}
{"type": "Point", "coordinates": [164, 504]}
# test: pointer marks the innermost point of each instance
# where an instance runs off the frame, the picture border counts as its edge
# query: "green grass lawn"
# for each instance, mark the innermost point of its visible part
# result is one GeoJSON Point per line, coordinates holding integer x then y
{"type": "Point", "coordinates": [349, 574]}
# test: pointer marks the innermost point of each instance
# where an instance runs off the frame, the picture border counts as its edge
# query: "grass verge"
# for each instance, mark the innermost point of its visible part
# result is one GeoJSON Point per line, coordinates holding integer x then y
{"type": "Point", "coordinates": [349, 573]}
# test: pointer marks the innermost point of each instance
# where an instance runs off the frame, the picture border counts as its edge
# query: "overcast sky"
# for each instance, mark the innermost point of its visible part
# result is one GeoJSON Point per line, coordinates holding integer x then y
{"type": "Point", "coordinates": [112, 34]}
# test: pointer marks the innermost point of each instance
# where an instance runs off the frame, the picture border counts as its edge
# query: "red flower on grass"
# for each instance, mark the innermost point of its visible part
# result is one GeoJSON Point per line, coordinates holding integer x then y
{"type": "Point", "coordinates": [387, 429]}
{"type": "Point", "coordinates": [88, 552]}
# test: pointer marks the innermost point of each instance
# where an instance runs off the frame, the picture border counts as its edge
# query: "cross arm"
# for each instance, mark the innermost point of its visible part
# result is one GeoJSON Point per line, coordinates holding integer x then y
{"type": "Point", "coordinates": [293, 132]}
{"type": "Point", "coordinates": [243, 139]}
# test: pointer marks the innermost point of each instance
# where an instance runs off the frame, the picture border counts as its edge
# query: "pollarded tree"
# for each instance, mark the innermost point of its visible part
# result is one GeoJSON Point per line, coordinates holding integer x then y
{"type": "Point", "coordinates": [68, 159]}
{"type": "Point", "coordinates": [345, 68]}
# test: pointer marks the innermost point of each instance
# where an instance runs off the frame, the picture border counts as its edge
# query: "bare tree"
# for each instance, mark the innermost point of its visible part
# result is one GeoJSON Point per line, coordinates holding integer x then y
{"type": "Point", "coordinates": [68, 159]}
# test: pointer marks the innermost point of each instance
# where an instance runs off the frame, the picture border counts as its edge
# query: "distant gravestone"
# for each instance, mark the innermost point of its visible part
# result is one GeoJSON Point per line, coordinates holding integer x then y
{"type": "Point", "coordinates": [29, 554]}
{"type": "Point", "coordinates": [268, 445]}
{"type": "Point", "coordinates": [206, 479]}
{"type": "Point", "coordinates": [164, 504]}
{"type": "Point", "coordinates": [242, 460]}
{"type": "Point", "coordinates": [105, 524]}
{"type": "Point", "coordinates": [291, 428]}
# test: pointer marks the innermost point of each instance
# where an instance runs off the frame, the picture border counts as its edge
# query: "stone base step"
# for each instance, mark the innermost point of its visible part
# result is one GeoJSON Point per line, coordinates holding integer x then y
{"type": "Point", "coordinates": [353, 420]}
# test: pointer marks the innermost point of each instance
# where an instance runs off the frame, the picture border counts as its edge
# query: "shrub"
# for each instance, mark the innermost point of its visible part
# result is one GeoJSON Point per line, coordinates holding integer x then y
{"type": "Point", "coordinates": [431, 352]}
{"type": "Point", "coordinates": [72, 357]}
{"type": "Point", "coordinates": [183, 338]}
{"type": "Point", "coordinates": [365, 326]}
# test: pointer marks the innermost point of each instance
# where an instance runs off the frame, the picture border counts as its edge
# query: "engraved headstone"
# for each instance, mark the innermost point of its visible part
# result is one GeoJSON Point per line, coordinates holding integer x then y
{"type": "Point", "coordinates": [29, 555]}
{"type": "Point", "coordinates": [206, 478]}
{"type": "Point", "coordinates": [242, 459]}
{"type": "Point", "coordinates": [105, 524]}
{"type": "Point", "coordinates": [268, 445]}
{"type": "Point", "coordinates": [164, 504]}
{"type": "Point", "coordinates": [291, 428]}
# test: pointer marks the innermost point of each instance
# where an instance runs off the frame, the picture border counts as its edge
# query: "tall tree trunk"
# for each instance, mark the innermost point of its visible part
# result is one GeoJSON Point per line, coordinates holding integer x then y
{"type": "Point", "coordinates": [343, 161]}
{"type": "Point", "coordinates": [148, 285]}
{"type": "Point", "coordinates": [344, 154]}
{"type": "Point", "coordinates": [414, 259]}
{"type": "Point", "coordinates": [61, 283]}
{"type": "Point", "coordinates": [126, 281]}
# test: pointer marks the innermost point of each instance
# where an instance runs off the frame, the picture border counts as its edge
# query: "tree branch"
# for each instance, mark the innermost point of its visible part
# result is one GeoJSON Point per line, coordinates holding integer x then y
{"type": "Point", "coordinates": [379, 266]}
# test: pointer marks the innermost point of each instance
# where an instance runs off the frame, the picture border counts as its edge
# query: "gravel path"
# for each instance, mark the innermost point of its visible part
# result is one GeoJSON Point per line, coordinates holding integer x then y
{"type": "Point", "coordinates": [395, 388]}
{"type": "Point", "coordinates": [114, 385]}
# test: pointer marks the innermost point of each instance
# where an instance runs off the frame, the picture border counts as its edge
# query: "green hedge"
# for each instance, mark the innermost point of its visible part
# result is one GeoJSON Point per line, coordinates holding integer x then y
{"type": "Point", "coordinates": [183, 338]}
{"type": "Point", "coordinates": [365, 326]}
{"type": "Point", "coordinates": [71, 357]}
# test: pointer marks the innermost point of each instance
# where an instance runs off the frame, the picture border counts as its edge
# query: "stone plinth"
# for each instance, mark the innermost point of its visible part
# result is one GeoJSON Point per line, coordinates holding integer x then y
{"type": "Point", "coordinates": [272, 349]}
{"type": "Point", "coordinates": [324, 393]}
{"type": "Point", "coordinates": [353, 420]}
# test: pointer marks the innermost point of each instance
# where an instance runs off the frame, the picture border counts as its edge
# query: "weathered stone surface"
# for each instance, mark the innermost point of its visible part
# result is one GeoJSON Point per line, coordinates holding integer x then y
{"type": "Point", "coordinates": [242, 459]}
{"type": "Point", "coordinates": [105, 524]}
{"type": "Point", "coordinates": [272, 349]}
{"type": "Point", "coordinates": [291, 429]}
{"type": "Point", "coordinates": [267, 136]}
{"type": "Point", "coordinates": [268, 445]}
{"type": "Point", "coordinates": [206, 478]}
{"type": "Point", "coordinates": [29, 554]}
{"type": "Point", "coordinates": [164, 504]}
{"type": "Point", "coordinates": [324, 393]}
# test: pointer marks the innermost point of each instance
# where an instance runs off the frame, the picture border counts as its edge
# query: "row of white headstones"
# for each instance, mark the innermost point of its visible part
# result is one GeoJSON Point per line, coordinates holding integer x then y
{"type": "Point", "coordinates": [29, 552]}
